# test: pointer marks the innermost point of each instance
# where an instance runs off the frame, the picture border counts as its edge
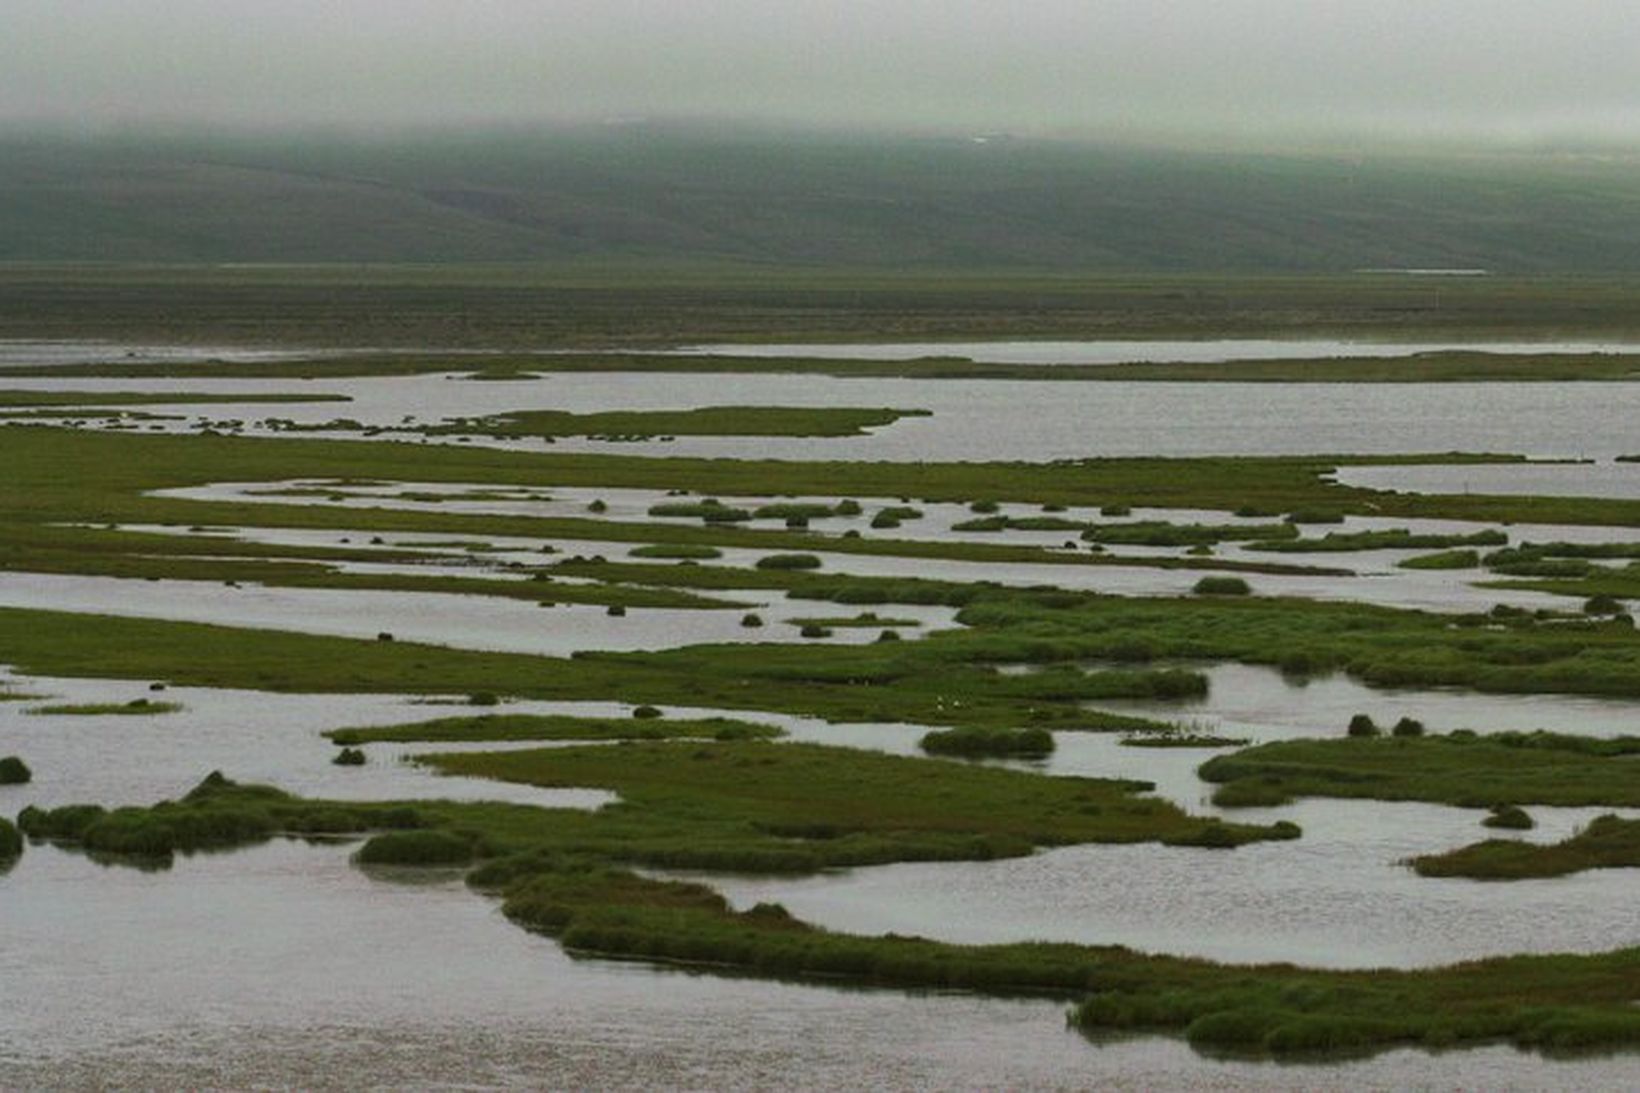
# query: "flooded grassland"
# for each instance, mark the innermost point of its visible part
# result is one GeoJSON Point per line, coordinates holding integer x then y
{"type": "Point", "coordinates": [550, 766]}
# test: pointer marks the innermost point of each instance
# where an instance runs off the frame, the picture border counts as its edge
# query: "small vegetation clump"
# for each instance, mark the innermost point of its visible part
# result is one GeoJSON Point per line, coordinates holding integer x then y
{"type": "Point", "coordinates": [14, 772]}
{"type": "Point", "coordinates": [710, 510]}
{"type": "Point", "coordinates": [429, 847]}
{"type": "Point", "coordinates": [1444, 559]}
{"type": "Point", "coordinates": [1222, 586]}
{"type": "Point", "coordinates": [11, 843]}
{"type": "Point", "coordinates": [349, 757]}
{"type": "Point", "coordinates": [793, 510]}
{"type": "Point", "coordinates": [645, 713]}
{"type": "Point", "coordinates": [483, 698]}
{"type": "Point", "coordinates": [690, 551]}
{"type": "Point", "coordinates": [989, 743]}
{"type": "Point", "coordinates": [137, 707]}
{"type": "Point", "coordinates": [814, 630]}
{"type": "Point", "coordinates": [788, 561]}
{"type": "Point", "coordinates": [1510, 818]}
{"type": "Point", "coordinates": [751, 620]}
{"type": "Point", "coordinates": [1407, 726]}
{"type": "Point", "coordinates": [894, 515]}
{"type": "Point", "coordinates": [1315, 515]}
{"type": "Point", "coordinates": [1362, 725]}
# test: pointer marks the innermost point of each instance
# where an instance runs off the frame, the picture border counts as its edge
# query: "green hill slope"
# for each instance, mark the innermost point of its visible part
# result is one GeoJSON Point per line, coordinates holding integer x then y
{"type": "Point", "coordinates": [680, 194]}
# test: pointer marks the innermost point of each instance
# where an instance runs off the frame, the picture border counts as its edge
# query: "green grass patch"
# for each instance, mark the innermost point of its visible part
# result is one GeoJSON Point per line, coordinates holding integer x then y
{"type": "Point", "coordinates": [1222, 586]}
{"type": "Point", "coordinates": [428, 847]}
{"type": "Point", "coordinates": [989, 743]}
{"type": "Point", "coordinates": [789, 561]}
{"type": "Point", "coordinates": [1608, 842]}
{"type": "Point", "coordinates": [796, 421]}
{"type": "Point", "coordinates": [799, 807]}
{"type": "Point", "coordinates": [500, 727]}
{"type": "Point", "coordinates": [676, 551]}
{"type": "Point", "coordinates": [1443, 559]}
{"type": "Point", "coordinates": [137, 707]}
{"type": "Point", "coordinates": [14, 772]}
{"type": "Point", "coordinates": [1461, 768]}
{"type": "Point", "coordinates": [217, 814]}
{"type": "Point", "coordinates": [1392, 539]}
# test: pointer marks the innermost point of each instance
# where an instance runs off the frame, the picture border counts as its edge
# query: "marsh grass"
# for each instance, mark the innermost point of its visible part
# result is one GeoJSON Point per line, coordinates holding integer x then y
{"type": "Point", "coordinates": [1464, 769]}
{"type": "Point", "coordinates": [693, 551]}
{"type": "Point", "coordinates": [501, 727]}
{"type": "Point", "coordinates": [426, 847]}
{"type": "Point", "coordinates": [788, 561]}
{"type": "Point", "coordinates": [217, 814]}
{"type": "Point", "coordinates": [989, 743]}
{"type": "Point", "coordinates": [1222, 586]}
{"type": "Point", "coordinates": [14, 772]}
{"type": "Point", "coordinates": [1608, 842]}
{"type": "Point", "coordinates": [137, 707]}
{"type": "Point", "coordinates": [1445, 559]}
{"type": "Point", "coordinates": [1509, 817]}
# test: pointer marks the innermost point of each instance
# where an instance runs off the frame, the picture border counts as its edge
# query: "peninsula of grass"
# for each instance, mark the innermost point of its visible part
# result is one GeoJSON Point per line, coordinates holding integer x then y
{"type": "Point", "coordinates": [503, 727]}
{"type": "Point", "coordinates": [989, 743]}
{"type": "Point", "coordinates": [1393, 539]}
{"type": "Point", "coordinates": [217, 814]}
{"type": "Point", "coordinates": [800, 807]}
{"type": "Point", "coordinates": [1460, 768]}
{"type": "Point", "coordinates": [137, 707]}
{"type": "Point", "coordinates": [791, 421]}
{"type": "Point", "coordinates": [1444, 559]}
{"type": "Point", "coordinates": [1608, 842]}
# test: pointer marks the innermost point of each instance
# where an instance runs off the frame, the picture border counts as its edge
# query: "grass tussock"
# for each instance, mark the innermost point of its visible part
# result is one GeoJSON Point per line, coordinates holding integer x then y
{"type": "Point", "coordinates": [989, 743]}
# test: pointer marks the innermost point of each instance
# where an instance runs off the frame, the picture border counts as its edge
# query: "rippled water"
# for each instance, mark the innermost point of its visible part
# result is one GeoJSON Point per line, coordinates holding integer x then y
{"type": "Point", "coordinates": [994, 419]}
{"type": "Point", "coordinates": [362, 981]}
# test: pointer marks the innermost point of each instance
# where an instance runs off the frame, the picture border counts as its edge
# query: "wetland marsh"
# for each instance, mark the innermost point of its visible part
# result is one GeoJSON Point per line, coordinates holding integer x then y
{"type": "Point", "coordinates": [546, 673]}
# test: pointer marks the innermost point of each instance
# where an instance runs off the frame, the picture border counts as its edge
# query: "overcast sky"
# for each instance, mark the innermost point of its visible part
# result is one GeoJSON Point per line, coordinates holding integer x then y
{"type": "Point", "coordinates": [1238, 69]}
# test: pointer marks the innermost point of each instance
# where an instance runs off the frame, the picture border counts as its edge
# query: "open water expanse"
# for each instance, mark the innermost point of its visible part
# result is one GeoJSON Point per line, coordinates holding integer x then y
{"type": "Point", "coordinates": [287, 966]}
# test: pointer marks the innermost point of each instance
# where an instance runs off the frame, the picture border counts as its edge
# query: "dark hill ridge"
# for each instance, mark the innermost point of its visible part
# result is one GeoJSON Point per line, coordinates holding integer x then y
{"type": "Point", "coordinates": [683, 195]}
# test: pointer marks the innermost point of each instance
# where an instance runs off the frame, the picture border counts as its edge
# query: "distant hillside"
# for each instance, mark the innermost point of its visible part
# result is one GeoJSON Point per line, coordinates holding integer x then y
{"type": "Point", "coordinates": [671, 194]}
